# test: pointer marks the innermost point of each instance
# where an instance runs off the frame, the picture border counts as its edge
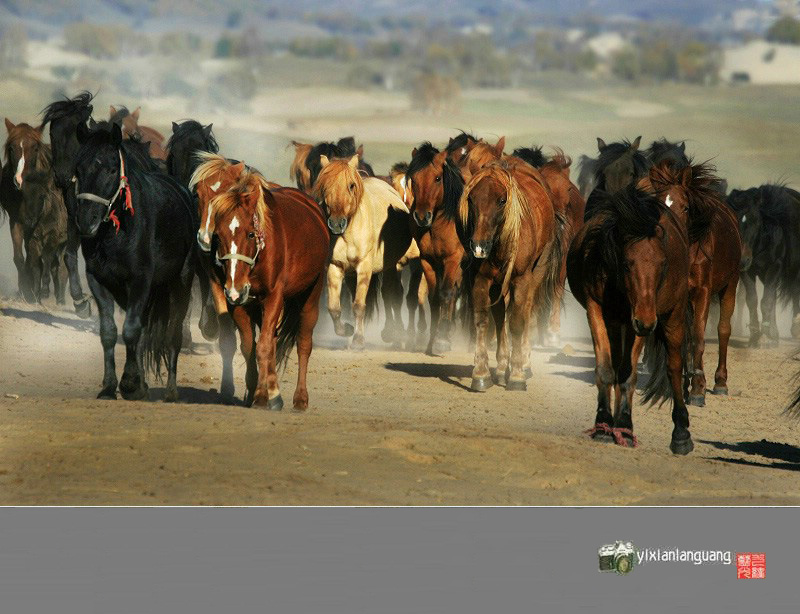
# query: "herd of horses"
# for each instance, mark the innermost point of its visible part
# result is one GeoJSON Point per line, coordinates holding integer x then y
{"type": "Point", "coordinates": [645, 241]}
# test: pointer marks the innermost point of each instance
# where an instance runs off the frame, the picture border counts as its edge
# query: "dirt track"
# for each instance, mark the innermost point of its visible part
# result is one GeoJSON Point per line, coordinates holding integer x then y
{"type": "Point", "coordinates": [384, 427]}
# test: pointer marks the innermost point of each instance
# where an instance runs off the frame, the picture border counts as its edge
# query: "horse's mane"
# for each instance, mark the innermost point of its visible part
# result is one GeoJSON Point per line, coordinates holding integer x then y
{"type": "Point", "coordinates": [121, 113]}
{"type": "Point", "coordinates": [664, 150]}
{"type": "Point", "coordinates": [613, 152]}
{"type": "Point", "coordinates": [700, 188]}
{"type": "Point", "coordinates": [334, 181]}
{"type": "Point", "coordinates": [452, 180]}
{"type": "Point", "coordinates": [532, 155]}
{"type": "Point", "coordinates": [343, 148]}
{"type": "Point", "coordinates": [64, 108]}
{"type": "Point", "coordinates": [627, 216]}
{"type": "Point", "coordinates": [459, 141]}
{"type": "Point", "coordinates": [399, 168]}
{"type": "Point", "coordinates": [238, 197]}
{"type": "Point", "coordinates": [44, 155]}
{"type": "Point", "coordinates": [189, 127]}
{"type": "Point", "coordinates": [210, 164]}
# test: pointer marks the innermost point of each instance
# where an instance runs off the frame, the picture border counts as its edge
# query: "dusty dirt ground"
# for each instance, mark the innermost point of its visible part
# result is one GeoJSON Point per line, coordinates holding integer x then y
{"type": "Point", "coordinates": [385, 427]}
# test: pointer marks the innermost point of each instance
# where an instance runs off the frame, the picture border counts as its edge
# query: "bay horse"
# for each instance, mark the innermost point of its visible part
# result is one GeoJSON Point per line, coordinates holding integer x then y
{"type": "Point", "coordinates": [436, 185]}
{"type": "Point", "coordinates": [769, 222]}
{"type": "Point", "coordinates": [64, 117]}
{"type": "Point", "coordinates": [213, 176]}
{"type": "Point", "coordinates": [715, 252]}
{"type": "Point", "coordinates": [370, 227]}
{"type": "Point", "coordinates": [307, 165]}
{"type": "Point", "coordinates": [516, 238]}
{"type": "Point", "coordinates": [628, 267]}
{"type": "Point", "coordinates": [137, 229]}
{"type": "Point", "coordinates": [37, 216]}
{"type": "Point", "coordinates": [273, 246]}
{"type": "Point", "coordinates": [129, 122]}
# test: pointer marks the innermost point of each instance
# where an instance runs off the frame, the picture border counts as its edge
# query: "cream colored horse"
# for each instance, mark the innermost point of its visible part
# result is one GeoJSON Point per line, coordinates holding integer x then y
{"type": "Point", "coordinates": [370, 224]}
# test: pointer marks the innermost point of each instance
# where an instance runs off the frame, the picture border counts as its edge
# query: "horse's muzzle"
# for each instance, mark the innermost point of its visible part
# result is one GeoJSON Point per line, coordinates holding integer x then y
{"type": "Point", "coordinates": [235, 297]}
{"type": "Point", "coordinates": [480, 249]}
{"type": "Point", "coordinates": [337, 225]}
{"type": "Point", "coordinates": [641, 329]}
{"type": "Point", "coordinates": [424, 221]}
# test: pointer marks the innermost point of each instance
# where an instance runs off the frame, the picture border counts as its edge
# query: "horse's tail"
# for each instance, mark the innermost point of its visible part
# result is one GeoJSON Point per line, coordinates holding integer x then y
{"type": "Point", "coordinates": [156, 331]}
{"type": "Point", "coordinates": [659, 387]}
{"type": "Point", "coordinates": [289, 326]}
{"type": "Point", "coordinates": [298, 171]}
{"type": "Point", "coordinates": [553, 266]}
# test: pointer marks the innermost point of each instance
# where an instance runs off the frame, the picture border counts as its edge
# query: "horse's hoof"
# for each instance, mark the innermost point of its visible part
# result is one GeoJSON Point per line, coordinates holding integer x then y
{"type": "Point", "coordinates": [720, 390]}
{"type": "Point", "coordinates": [440, 346]}
{"type": "Point", "coordinates": [528, 373]}
{"type": "Point", "coordinates": [83, 308]}
{"type": "Point", "coordinates": [515, 384]}
{"type": "Point", "coordinates": [481, 384]}
{"type": "Point", "coordinates": [275, 403]}
{"type": "Point", "coordinates": [357, 345]}
{"type": "Point", "coordinates": [171, 395]}
{"type": "Point", "coordinates": [108, 394]}
{"type": "Point", "coordinates": [682, 446]}
{"type": "Point", "coordinates": [501, 377]}
{"type": "Point", "coordinates": [137, 394]}
{"type": "Point", "coordinates": [345, 330]}
{"type": "Point", "coordinates": [697, 400]}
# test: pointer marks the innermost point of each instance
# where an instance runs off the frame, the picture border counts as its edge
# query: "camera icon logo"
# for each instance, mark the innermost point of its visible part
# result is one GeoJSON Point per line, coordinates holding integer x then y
{"type": "Point", "coordinates": [618, 557]}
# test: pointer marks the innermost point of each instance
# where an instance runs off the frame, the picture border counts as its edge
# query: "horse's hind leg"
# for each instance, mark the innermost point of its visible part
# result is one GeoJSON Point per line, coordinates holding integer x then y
{"type": "Point", "coordinates": [674, 329]}
{"type": "Point", "coordinates": [268, 393]}
{"type": "Point", "coordinates": [481, 377]}
{"type": "Point", "coordinates": [180, 298]}
{"type": "Point", "coordinates": [335, 279]}
{"type": "Point", "coordinates": [35, 268]}
{"type": "Point", "coordinates": [751, 298]}
{"type": "Point", "coordinates": [412, 303]}
{"type": "Point", "coordinates": [727, 303]}
{"type": "Point", "coordinates": [308, 319]}
{"type": "Point", "coordinates": [246, 329]}
{"type": "Point", "coordinates": [498, 307]}
{"type": "Point", "coordinates": [59, 271]}
{"type": "Point", "coordinates": [108, 337]}
{"type": "Point", "coordinates": [132, 385]}
{"type": "Point", "coordinates": [769, 326]}
{"type": "Point", "coordinates": [631, 347]}
{"type": "Point", "coordinates": [363, 277]}
{"type": "Point", "coordinates": [83, 306]}
{"type": "Point", "coordinates": [434, 301]}
{"type": "Point", "coordinates": [604, 375]}
{"type": "Point", "coordinates": [392, 293]}
{"type": "Point", "coordinates": [45, 268]}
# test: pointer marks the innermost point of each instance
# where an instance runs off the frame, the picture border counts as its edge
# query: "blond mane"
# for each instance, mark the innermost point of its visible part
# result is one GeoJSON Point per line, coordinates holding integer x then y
{"type": "Point", "coordinates": [211, 164]}
{"type": "Point", "coordinates": [250, 185]}
{"type": "Point", "coordinates": [333, 186]}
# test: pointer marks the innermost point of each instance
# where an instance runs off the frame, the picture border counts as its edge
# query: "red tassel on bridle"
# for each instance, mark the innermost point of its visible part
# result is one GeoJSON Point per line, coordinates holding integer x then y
{"type": "Point", "coordinates": [124, 185]}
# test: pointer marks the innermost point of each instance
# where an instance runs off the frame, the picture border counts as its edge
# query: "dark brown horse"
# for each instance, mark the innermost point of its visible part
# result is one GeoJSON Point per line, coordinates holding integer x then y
{"type": "Point", "coordinates": [274, 248]}
{"type": "Point", "coordinates": [628, 266]}
{"type": "Point", "coordinates": [715, 251]}
{"type": "Point", "coordinates": [516, 237]}
{"type": "Point", "coordinates": [129, 122]}
{"type": "Point", "coordinates": [37, 216]}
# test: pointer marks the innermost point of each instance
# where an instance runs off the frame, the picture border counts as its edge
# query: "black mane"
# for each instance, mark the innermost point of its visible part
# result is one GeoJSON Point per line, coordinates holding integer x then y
{"type": "Point", "coordinates": [66, 107]}
{"type": "Point", "coordinates": [121, 113]}
{"type": "Point", "coordinates": [532, 155]}
{"type": "Point", "coordinates": [343, 148]}
{"type": "Point", "coordinates": [459, 141]}
{"type": "Point", "coordinates": [611, 153]}
{"type": "Point", "coordinates": [189, 127]}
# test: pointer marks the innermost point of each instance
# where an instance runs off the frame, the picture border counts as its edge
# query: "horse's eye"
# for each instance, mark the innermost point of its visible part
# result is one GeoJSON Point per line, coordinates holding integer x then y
{"type": "Point", "coordinates": [352, 186]}
{"type": "Point", "coordinates": [502, 201]}
{"type": "Point", "coordinates": [251, 235]}
{"type": "Point", "coordinates": [438, 179]}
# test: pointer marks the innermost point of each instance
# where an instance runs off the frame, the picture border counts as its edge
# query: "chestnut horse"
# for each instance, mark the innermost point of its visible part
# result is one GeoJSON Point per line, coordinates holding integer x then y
{"type": "Point", "coordinates": [628, 267]}
{"type": "Point", "coordinates": [273, 246]}
{"type": "Point", "coordinates": [215, 175]}
{"type": "Point", "coordinates": [516, 237]}
{"type": "Point", "coordinates": [715, 251]}
{"type": "Point", "coordinates": [129, 122]}
{"type": "Point", "coordinates": [369, 221]}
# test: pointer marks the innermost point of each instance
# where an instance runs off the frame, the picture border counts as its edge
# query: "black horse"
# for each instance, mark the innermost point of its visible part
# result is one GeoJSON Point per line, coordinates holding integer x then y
{"type": "Point", "coordinates": [769, 222]}
{"type": "Point", "coordinates": [664, 150]}
{"type": "Point", "coordinates": [137, 230]}
{"type": "Point", "coordinates": [64, 117]}
{"type": "Point", "coordinates": [343, 148]}
{"type": "Point", "coordinates": [618, 166]}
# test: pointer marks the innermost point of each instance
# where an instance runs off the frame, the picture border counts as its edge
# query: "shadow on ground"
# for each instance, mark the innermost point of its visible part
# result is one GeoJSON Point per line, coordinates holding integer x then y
{"type": "Point", "coordinates": [782, 455]}
{"type": "Point", "coordinates": [42, 317]}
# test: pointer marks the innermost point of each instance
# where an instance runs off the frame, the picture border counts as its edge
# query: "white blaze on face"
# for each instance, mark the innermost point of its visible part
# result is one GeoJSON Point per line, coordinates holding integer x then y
{"type": "Point", "coordinates": [668, 202]}
{"type": "Point", "coordinates": [744, 219]}
{"type": "Point", "coordinates": [232, 227]}
{"type": "Point", "coordinates": [215, 187]}
{"type": "Point", "coordinates": [403, 184]}
{"type": "Point", "coordinates": [20, 166]}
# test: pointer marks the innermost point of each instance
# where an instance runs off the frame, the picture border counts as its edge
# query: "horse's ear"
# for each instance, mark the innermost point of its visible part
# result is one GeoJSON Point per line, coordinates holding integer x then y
{"type": "Point", "coordinates": [174, 127]}
{"type": "Point", "coordinates": [682, 147]}
{"type": "Point", "coordinates": [323, 161]}
{"type": "Point", "coordinates": [360, 152]}
{"type": "Point", "coordinates": [92, 124]}
{"type": "Point", "coordinates": [636, 143]}
{"type": "Point", "coordinates": [116, 135]}
{"type": "Point", "coordinates": [207, 130]}
{"type": "Point", "coordinates": [353, 162]}
{"type": "Point", "coordinates": [111, 111]}
{"type": "Point", "coordinates": [500, 146]}
{"type": "Point", "coordinates": [135, 114]}
{"type": "Point", "coordinates": [414, 151]}
{"type": "Point", "coordinates": [601, 144]}
{"type": "Point", "coordinates": [9, 125]}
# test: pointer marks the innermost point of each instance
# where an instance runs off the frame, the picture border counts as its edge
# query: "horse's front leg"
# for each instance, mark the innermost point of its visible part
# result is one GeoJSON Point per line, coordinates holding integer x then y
{"type": "Point", "coordinates": [392, 293]}
{"type": "Point", "coordinates": [451, 282]}
{"type": "Point", "coordinates": [481, 377]}
{"type": "Point", "coordinates": [23, 280]}
{"type": "Point", "coordinates": [751, 299]}
{"type": "Point", "coordinates": [701, 299]}
{"type": "Point", "coordinates": [335, 279]}
{"type": "Point", "coordinates": [631, 346]}
{"type": "Point", "coordinates": [80, 301]}
{"type": "Point", "coordinates": [604, 375]}
{"type": "Point", "coordinates": [727, 304]}
{"type": "Point", "coordinates": [429, 272]}
{"type": "Point", "coordinates": [519, 319]}
{"type": "Point", "coordinates": [268, 393]}
{"type": "Point", "coordinates": [308, 319]}
{"type": "Point", "coordinates": [498, 307]}
{"type": "Point", "coordinates": [363, 278]}
{"type": "Point", "coordinates": [132, 385]}
{"type": "Point", "coordinates": [413, 304]}
{"type": "Point", "coordinates": [769, 326]}
{"type": "Point", "coordinates": [241, 318]}
{"type": "Point", "coordinates": [674, 330]}
{"type": "Point", "coordinates": [108, 336]}
{"type": "Point", "coordinates": [34, 268]}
